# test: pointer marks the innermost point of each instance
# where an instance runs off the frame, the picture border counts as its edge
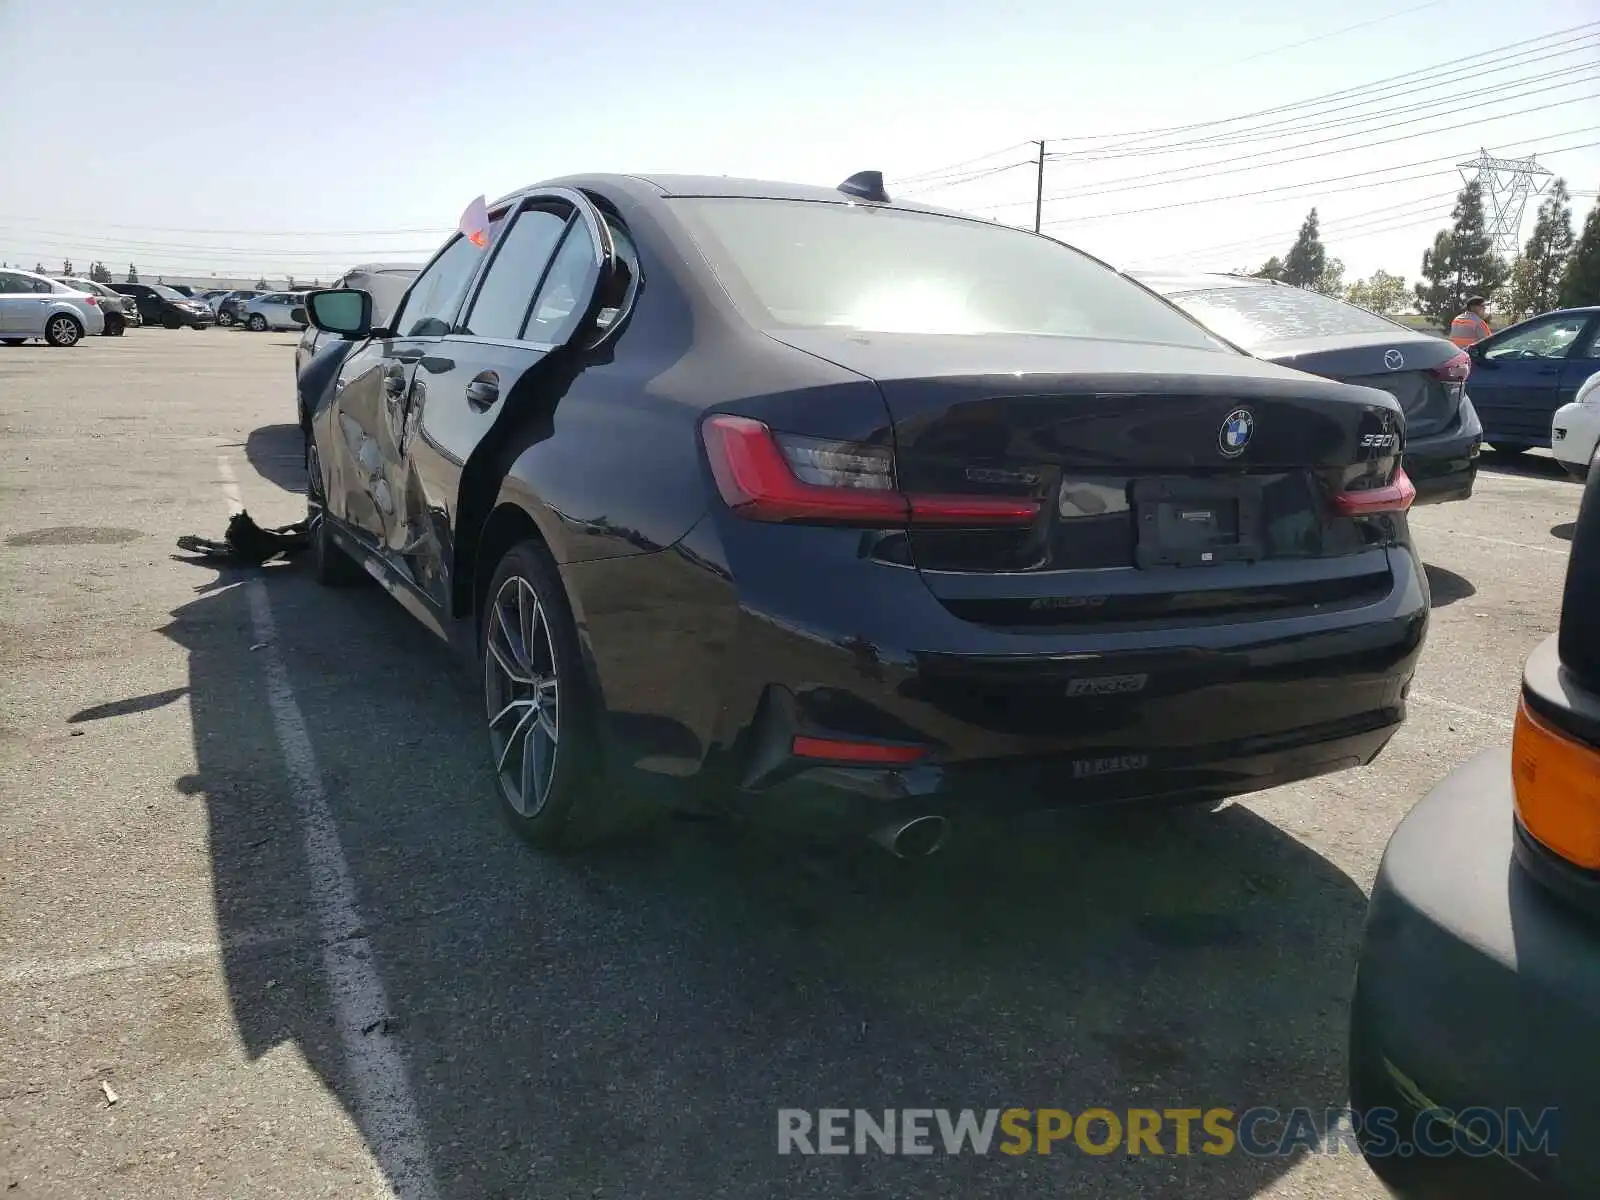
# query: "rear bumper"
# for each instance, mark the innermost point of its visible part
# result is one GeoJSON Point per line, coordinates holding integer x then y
{"type": "Point", "coordinates": [1162, 713]}
{"type": "Point", "coordinates": [1444, 466]}
{"type": "Point", "coordinates": [1476, 989]}
{"type": "Point", "coordinates": [1574, 434]}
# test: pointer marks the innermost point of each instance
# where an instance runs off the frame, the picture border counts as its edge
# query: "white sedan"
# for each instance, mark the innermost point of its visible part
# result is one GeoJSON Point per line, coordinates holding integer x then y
{"type": "Point", "coordinates": [33, 306]}
{"type": "Point", "coordinates": [1575, 432]}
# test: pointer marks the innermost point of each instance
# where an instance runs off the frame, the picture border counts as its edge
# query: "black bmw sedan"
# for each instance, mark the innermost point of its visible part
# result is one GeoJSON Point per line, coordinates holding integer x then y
{"type": "Point", "coordinates": [1311, 332]}
{"type": "Point", "coordinates": [854, 512]}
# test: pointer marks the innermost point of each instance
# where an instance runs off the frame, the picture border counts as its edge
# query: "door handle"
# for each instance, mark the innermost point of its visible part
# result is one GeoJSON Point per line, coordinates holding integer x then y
{"type": "Point", "coordinates": [484, 390]}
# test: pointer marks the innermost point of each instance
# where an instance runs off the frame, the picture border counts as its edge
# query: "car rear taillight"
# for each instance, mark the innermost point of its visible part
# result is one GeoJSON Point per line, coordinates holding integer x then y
{"type": "Point", "coordinates": [767, 476]}
{"type": "Point", "coordinates": [1393, 497]}
{"type": "Point", "coordinates": [92, 301]}
{"type": "Point", "coordinates": [1454, 371]}
{"type": "Point", "coordinates": [1556, 783]}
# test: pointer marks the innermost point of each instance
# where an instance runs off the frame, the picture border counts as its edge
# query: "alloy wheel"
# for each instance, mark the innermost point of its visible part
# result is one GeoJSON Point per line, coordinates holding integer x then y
{"type": "Point", "coordinates": [63, 331]}
{"type": "Point", "coordinates": [523, 696]}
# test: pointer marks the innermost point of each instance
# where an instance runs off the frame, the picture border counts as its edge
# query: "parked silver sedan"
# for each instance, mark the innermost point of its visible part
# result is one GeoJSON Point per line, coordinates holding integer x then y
{"type": "Point", "coordinates": [33, 306]}
{"type": "Point", "coordinates": [274, 310]}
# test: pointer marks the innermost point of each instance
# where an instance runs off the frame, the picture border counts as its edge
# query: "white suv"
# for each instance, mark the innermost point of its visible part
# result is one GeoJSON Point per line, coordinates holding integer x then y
{"type": "Point", "coordinates": [32, 306]}
{"type": "Point", "coordinates": [274, 310]}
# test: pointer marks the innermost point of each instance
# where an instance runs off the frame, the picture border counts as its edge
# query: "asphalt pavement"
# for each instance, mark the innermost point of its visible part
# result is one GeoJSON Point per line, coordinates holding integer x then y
{"type": "Point", "coordinates": [264, 934]}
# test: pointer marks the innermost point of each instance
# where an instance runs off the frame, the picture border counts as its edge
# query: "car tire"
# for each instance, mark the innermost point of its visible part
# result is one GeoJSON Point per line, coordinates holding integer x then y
{"type": "Point", "coordinates": [224, 318]}
{"type": "Point", "coordinates": [543, 731]}
{"type": "Point", "coordinates": [330, 566]}
{"type": "Point", "coordinates": [257, 323]}
{"type": "Point", "coordinates": [116, 331]}
{"type": "Point", "coordinates": [171, 323]}
{"type": "Point", "coordinates": [63, 330]}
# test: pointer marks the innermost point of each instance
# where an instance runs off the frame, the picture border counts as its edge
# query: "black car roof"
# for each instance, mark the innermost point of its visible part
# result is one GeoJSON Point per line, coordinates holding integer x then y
{"type": "Point", "coordinates": [664, 186]}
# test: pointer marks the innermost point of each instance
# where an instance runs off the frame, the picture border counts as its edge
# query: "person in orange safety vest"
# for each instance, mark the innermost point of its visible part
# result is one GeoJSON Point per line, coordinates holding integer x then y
{"type": "Point", "coordinates": [1470, 326]}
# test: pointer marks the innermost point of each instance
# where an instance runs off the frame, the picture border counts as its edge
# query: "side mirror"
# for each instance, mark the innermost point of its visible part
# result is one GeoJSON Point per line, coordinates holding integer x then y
{"type": "Point", "coordinates": [344, 311]}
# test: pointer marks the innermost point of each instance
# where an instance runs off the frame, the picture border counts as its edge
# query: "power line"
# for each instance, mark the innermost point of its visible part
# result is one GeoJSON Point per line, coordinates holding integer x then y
{"type": "Point", "coordinates": [1178, 175]}
{"type": "Point", "coordinates": [1316, 183]}
{"type": "Point", "coordinates": [1336, 227]}
{"type": "Point", "coordinates": [965, 179]}
{"type": "Point", "coordinates": [1343, 93]}
{"type": "Point", "coordinates": [955, 168]}
{"type": "Point", "coordinates": [1311, 123]}
{"type": "Point", "coordinates": [1322, 37]}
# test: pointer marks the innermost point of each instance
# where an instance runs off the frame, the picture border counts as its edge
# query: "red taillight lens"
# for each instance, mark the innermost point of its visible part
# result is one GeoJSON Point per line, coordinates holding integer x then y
{"type": "Point", "coordinates": [92, 301]}
{"type": "Point", "coordinates": [1454, 371]}
{"type": "Point", "coordinates": [766, 476]}
{"type": "Point", "coordinates": [1395, 497]}
{"type": "Point", "coordinates": [842, 750]}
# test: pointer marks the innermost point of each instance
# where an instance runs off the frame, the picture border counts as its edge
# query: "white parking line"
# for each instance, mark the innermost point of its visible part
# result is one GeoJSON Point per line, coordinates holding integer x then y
{"type": "Point", "coordinates": [1482, 537]}
{"type": "Point", "coordinates": [1451, 706]}
{"type": "Point", "coordinates": [388, 1110]}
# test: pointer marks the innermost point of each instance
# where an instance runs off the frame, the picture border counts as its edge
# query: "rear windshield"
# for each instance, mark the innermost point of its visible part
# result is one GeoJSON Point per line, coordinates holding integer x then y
{"type": "Point", "coordinates": [1256, 316]}
{"type": "Point", "coordinates": [804, 264]}
{"type": "Point", "coordinates": [166, 293]}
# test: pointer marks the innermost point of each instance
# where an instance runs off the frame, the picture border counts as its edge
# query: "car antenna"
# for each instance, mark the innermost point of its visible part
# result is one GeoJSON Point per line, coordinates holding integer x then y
{"type": "Point", "coordinates": [868, 185]}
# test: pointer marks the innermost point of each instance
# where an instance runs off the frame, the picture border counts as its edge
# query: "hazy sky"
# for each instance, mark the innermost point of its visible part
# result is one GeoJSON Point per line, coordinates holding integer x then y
{"type": "Point", "coordinates": [286, 136]}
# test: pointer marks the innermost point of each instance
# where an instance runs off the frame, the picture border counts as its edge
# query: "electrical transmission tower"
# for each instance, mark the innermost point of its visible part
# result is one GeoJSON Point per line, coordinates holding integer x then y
{"type": "Point", "coordinates": [1506, 184]}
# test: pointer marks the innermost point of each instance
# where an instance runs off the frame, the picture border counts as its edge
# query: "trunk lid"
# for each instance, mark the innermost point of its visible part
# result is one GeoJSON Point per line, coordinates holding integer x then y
{"type": "Point", "coordinates": [1401, 365]}
{"type": "Point", "coordinates": [1172, 482]}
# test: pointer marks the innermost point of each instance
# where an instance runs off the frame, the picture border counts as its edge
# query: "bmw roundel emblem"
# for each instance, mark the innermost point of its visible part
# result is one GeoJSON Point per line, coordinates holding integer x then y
{"type": "Point", "coordinates": [1236, 432]}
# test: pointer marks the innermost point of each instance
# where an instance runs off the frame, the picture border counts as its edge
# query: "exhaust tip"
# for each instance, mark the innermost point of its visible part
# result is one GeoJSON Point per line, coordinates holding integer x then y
{"type": "Point", "coordinates": [916, 838]}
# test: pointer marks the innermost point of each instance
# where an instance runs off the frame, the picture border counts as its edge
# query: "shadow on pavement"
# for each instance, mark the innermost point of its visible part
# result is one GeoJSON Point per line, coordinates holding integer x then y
{"type": "Point", "coordinates": [1564, 531]}
{"type": "Point", "coordinates": [278, 454]}
{"type": "Point", "coordinates": [1446, 587]}
{"type": "Point", "coordinates": [630, 1023]}
{"type": "Point", "coordinates": [133, 704]}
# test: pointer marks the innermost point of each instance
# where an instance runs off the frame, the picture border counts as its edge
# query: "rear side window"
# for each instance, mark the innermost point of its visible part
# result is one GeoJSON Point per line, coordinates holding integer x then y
{"type": "Point", "coordinates": [562, 297]}
{"type": "Point", "coordinates": [519, 262]}
{"type": "Point", "coordinates": [1256, 316]}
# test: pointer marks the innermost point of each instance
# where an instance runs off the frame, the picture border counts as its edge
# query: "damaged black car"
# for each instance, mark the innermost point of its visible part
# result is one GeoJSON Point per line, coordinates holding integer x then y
{"type": "Point", "coordinates": [813, 505]}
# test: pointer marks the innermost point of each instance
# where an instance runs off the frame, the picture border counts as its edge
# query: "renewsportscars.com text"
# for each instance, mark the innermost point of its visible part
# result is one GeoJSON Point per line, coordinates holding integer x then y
{"type": "Point", "coordinates": [1256, 1132]}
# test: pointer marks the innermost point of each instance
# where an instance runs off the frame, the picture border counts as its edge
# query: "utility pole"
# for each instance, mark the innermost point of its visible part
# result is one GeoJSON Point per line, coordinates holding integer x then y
{"type": "Point", "coordinates": [1506, 184]}
{"type": "Point", "coordinates": [1038, 192]}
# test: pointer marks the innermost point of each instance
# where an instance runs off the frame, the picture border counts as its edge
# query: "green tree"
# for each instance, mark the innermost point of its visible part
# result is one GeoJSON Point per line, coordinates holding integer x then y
{"type": "Point", "coordinates": [1461, 263]}
{"type": "Point", "coordinates": [1380, 292]}
{"type": "Point", "coordinates": [1271, 269]}
{"type": "Point", "coordinates": [100, 273]}
{"type": "Point", "coordinates": [133, 273]}
{"type": "Point", "coordinates": [1580, 284]}
{"type": "Point", "coordinates": [1535, 286]}
{"type": "Point", "coordinates": [38, 268]}
{"type": "Point", "coordinates": [66, 267]}
{"type": "Point", "coordinates": [1307, 258]}
{"type": "Point", "coordinates": [1331, 281]}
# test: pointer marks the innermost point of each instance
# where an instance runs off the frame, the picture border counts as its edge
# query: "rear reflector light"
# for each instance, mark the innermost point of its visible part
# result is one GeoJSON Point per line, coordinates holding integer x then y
{"type": "Point", "coordinates": [1454, 371]}
{"type": "Point", "coordinates": [842, 750]}
{"type": "Point", "coordinates": [1395, 497]}
{"type": "Point", "coordinates": [1556, 781]}
{"type": "Point", "coordinates": [766, 476]}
